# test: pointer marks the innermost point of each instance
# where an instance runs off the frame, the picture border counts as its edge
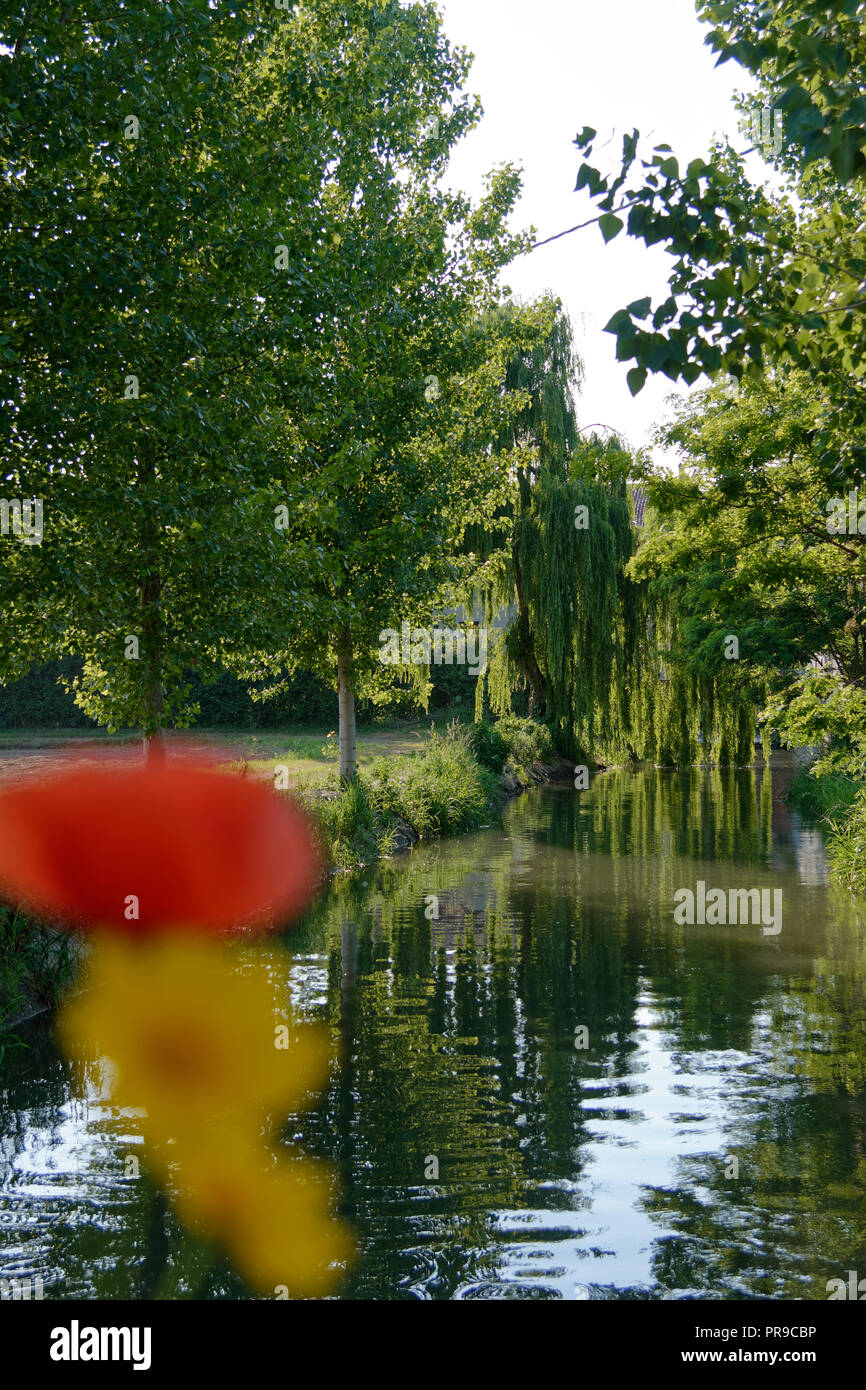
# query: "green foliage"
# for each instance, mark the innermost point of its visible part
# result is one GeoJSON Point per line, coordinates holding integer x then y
{"type": "Point", "coordinates": [740, 542]}
{"type": "Point", "coordinates": [438, 791]}
{"type": "Point", "coordinates": [809, 58]}
{"type": "Point", "coordinates": [567, 536]}
{"type": "Point", "coordinates": [351, 830]}
{"type": "Point", "coordinates": [36, 964]}
{"type": "Point", "coordinates": [594, 645]}
{"type": "Point", "coordinates": [827, 797]}
{"type": "Point", "coordinates": [760, 277]}
{"type": "Point", "coordinates": [489, 746]}
{"type": "Point", "coordinates": [38, 700]}
{"type": "Point", "coordinates": [846, 845]}
{"type": "Point", "coordinates": [255, 286]}
{"type": "Point", "coordinates": [526, 742]}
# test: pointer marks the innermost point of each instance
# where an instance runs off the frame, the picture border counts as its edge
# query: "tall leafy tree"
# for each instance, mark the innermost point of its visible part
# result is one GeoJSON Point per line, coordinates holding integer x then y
{"type": "Point", "coordinates": [184, 283]}
{"type": "Point", "coordinates": [388, 430]}
{"type": "Point", "coordinates": [563, 542]}
{"type": "Point", "coordinates": [749, 542]}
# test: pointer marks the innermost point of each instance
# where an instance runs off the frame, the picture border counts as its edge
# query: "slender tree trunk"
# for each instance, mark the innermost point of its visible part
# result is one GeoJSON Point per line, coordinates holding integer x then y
{"type": "Point", "coordinates": [346, 698]}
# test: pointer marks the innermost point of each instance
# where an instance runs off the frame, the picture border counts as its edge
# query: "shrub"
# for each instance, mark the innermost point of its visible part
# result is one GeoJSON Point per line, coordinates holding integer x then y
{"type": "Point", "coordinates": [489, 746]}
{"type": "Point", "coordinates": [838, 799]}
{"type": "Point", "coordinates": [528, 742]}
{"type": "Point", "coordinates": [437, 791]}
{"type": "Point", "coordinates": [846, 846]}
{"type": "Point", "coordinates": [38, 700]}
{"type": "Point", "coordinates": [827, 796]}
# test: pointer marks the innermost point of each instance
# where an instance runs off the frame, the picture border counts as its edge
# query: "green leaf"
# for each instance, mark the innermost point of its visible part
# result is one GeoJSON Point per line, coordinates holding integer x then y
{"type": "Point", "coordinates": [636, 379]}
{"type": "Point", "coordinates": [610, 226]}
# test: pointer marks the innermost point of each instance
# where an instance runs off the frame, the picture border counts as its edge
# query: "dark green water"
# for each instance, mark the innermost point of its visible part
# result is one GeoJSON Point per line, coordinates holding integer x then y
{"type": "Point", "coordinates": [709, 1141]}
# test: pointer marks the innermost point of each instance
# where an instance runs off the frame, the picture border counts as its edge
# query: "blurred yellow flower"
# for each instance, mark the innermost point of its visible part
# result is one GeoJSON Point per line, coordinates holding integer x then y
{"type": "Point", "coordinates": [284, 1237]}
{"type": "Point", "coordinates": [191, 1029]}
{"type": "Point", "coordinates": [272, 1216]}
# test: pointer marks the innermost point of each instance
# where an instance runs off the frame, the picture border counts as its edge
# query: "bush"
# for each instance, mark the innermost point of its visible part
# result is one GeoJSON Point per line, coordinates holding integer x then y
{"type": "Point", "coordinates": [826, 797]}
{"type": "Point", "coordinates": [438, 791]}
{"type": "Point", "coordinates": [839, 800]}
{"type": "Point", "coordinates": [846, 846]}
{"type": "Point", "coordinates": [38, 700]}
{"type": "Point", "coordinates": [350, 828]}
{"type": "Point", "coordinates": [527, 741]}
{"type": "Point", "coordinates": [489, 747]}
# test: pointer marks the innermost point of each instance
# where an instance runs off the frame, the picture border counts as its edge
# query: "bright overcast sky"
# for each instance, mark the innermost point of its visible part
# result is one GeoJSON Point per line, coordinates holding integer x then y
{"type": "Point", "coordinates": [544, 69]}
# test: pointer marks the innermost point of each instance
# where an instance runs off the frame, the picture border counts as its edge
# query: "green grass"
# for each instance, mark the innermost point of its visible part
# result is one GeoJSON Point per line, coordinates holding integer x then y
{"type": "Point", "coordinates": [36, 964]}
{"type": "Point", "coordinates": [846, 853]}
{"type": "Point", "coordinates": [439, 790]}
{"type": "Point", "coordinates": [823, 798]}
{"type": "Point", "coordinates": [839, 801]}
{"type": "Point", "coordinates": [311, 757]}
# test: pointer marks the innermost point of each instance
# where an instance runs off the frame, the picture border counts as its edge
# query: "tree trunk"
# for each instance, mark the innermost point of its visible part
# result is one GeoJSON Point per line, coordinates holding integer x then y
{"type": "Point", "coordinates": [346, 698]}
{"type": "Point", "coordinates": [154, 742]}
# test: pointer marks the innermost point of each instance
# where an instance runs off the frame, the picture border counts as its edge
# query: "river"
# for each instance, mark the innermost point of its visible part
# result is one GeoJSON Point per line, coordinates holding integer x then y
{"type": "Point", "coordinates": [543, 1085]}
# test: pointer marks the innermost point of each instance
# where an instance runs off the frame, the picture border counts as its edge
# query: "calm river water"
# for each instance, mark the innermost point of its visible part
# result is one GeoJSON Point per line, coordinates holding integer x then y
{"type": "Point", "coordinates": [617, 1106]}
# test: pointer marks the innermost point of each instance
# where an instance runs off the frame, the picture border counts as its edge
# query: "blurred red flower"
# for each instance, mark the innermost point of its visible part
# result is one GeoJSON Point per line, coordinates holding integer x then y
{"type": "Point", "coordinates": [162, 845]}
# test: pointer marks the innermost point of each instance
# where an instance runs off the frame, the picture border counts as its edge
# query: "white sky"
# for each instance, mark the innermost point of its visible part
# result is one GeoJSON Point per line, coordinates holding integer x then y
{"type": "Point", "coordinates": [544, 69]}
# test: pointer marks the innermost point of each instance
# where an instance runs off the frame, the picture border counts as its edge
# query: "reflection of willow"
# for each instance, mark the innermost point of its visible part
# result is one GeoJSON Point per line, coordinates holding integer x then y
{"type": "Point", "coordinates": [459, 1044]}
{"type": "Point", "coordinates": [827, 1017]}
{"type": "Point", "coordinates": [457, 1033]}
{"type": "Point", "coordinates": [418, 1088]}
{"type": "Point", "coordinates": [795, 1215]}
{"type": "Point", "coordinates": [718, 814]}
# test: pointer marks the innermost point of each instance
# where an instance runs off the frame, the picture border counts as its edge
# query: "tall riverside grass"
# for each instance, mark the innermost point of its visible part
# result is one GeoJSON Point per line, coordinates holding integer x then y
{"type": "Point", "coordinates": [441, 790]}
{"type": "Point", "coordinates": [36, 964]}
{"type": "Point", "coordinates": [827, 797]}
{"type": "Point", "coordinates": [839, 800]}
{"type": "Point", "coordinates": [846, 846]}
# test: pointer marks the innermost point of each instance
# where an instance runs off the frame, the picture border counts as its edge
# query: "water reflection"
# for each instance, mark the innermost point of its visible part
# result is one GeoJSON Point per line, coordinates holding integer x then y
{"type": "Point", "coordinates": [709, 1141]}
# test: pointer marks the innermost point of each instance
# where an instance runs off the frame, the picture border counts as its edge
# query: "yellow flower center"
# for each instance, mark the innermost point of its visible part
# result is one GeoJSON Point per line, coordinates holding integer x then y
{"type": "Point", "coordinates": [176, 1054]}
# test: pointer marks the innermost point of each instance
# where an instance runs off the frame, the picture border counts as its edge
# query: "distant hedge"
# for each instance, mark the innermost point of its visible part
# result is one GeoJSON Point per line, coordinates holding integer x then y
{"type": "Point", "coordinates": [38, 701]}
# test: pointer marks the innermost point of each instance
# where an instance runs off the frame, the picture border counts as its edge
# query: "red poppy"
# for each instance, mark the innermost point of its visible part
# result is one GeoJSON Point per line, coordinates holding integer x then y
{"type": "Point", "coordinates": [145, 847]}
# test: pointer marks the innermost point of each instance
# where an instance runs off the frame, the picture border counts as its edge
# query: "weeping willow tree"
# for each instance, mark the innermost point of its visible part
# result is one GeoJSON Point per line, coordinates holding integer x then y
{"type": "Point", "coordinates": [569, 538]}
{"type": "Point", "coordinates": [679, 715]}
{"type": "Point", "coordinates": [596, 651]}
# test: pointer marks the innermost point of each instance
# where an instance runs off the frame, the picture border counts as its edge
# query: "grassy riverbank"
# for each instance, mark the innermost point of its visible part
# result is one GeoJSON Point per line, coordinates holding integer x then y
{"type": "Point", "coordinates": [838, 800]}
{"type": "Point", "coordinates": [452, 784]}
{"type": "Point", "coordinates": [414, 783]}
{"type": "Point", "coordinates": [36, 964]}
